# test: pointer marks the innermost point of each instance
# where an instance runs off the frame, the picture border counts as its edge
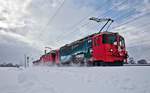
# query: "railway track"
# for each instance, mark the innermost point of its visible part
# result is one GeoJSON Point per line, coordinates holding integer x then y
{"type": "Point", "coordinates": [136, 65]}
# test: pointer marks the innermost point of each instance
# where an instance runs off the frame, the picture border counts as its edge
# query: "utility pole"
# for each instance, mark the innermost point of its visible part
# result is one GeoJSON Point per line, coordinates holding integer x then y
{"type": "Point", "coordinates": [107, 20]}
{"type": "Point", "coordinates": [25, 60]}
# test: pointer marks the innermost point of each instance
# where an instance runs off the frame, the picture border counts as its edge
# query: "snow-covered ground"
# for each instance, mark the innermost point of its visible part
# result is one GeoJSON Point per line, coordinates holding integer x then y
{"type": "Point", "coordinates": [75, 80]}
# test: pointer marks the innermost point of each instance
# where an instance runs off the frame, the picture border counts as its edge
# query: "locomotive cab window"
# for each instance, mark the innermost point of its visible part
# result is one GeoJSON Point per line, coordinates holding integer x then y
{"type": "Point", "coordinates": [90, 43]}
{"type": "Point", "coordinates": [109, 39]}
{"type": "Point", "coordinates": [122, 42]}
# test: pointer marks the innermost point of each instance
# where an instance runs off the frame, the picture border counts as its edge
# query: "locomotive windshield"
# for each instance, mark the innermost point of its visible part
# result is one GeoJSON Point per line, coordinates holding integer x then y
{"type": "Point", "coordinates": [122, 42]}
{"type": "Point", "coordinates": [109, 39]}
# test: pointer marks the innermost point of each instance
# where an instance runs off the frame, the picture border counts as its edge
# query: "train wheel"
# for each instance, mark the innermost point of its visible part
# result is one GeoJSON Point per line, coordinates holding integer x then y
{"type": "Point", "coordinates": [121, 64]}
{"type": "Point", "coordinates": [94, 64]}
{"type": "Point", "coordinates": [117, 63]}
{"type": "Point", "coordinates": [98, 63]}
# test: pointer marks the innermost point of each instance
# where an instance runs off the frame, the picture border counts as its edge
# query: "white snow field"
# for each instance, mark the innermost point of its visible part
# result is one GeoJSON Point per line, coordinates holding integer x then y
{"type": "Point", "coordinates": [75, 80]}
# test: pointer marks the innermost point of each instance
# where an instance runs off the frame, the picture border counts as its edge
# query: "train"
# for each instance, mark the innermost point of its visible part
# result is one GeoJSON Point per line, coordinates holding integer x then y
{"type": "Point", "coordinates": [99, 49]}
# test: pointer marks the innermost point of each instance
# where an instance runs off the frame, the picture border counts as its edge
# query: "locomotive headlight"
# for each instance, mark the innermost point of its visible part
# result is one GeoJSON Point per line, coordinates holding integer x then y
{"type": "Point", "coordinates": [111, 50]}
{"type": "Point", "coordinates": [121, 54]}
{"type": "Point", "coordinates": [115, 43]}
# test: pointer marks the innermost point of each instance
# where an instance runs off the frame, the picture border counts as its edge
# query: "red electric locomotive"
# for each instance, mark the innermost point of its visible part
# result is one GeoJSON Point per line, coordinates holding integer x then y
{"type": "Point", "coordinates": [103, 48]}
{"type": "Point", "coordinates": [50, 58]}
{"type": "Point", "coordinates": [108, 49]}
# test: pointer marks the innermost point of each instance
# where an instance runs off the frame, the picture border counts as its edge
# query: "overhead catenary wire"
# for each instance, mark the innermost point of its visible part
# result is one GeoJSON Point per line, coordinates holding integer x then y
{"type": "Point", "coordinates": [53, 17]}
{"type": "Point", "coordinates": [83, 19]}
{"type": "Point", "coordinates": [105, 12]}
{"type": "Point", "coordinates": [139, 27]}
{"type": "Point", "coordinates": [88, 15]}
{"type": "Point", "coordinates": [55, 14]}
{"type": "Point", "coordinates": [142, 29]}
{"type": "Point", "coordinates": [132, 20]}
{"type": "Point", "coordinates": [74, 27]}
{"type": "Point", "coordinates": [115, 7]}
{"type": "Point", "coordinates": [125, 1]}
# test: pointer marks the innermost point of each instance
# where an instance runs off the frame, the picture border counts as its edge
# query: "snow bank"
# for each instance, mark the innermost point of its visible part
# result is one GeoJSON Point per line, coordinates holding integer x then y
{"type": "Point", "coordinates": [75, 80]}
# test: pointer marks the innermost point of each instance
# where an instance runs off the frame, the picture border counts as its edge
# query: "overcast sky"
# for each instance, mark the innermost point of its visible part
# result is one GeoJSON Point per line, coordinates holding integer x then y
{"type": "Point", "coordinates": [27, 26]}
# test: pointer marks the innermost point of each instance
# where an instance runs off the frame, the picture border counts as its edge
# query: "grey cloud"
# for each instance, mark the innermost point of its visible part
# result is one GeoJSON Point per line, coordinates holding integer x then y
{"type": "Point", "coordinates": [30, 32]}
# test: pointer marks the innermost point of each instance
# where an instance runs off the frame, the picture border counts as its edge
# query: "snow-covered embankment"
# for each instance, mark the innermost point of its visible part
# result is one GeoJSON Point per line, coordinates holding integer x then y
{"type": "Point", "coordinates": [75, 80]}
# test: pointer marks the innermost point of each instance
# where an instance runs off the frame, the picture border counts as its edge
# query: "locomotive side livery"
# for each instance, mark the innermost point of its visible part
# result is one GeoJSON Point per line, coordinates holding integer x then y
{"type": "Point", "coordinates": [104, 48]}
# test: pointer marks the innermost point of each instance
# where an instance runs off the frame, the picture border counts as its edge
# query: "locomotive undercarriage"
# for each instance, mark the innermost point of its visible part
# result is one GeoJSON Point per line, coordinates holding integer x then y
{"type": "Point", "coordinates": [82, 61]}
{"type": "Point", "coordinates": [101, 63]}
{"type": "Point", "coordinates": [87, 62]}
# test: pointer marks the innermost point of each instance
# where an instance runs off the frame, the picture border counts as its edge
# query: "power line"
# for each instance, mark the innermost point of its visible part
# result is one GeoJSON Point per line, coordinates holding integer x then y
{"type": "Point", "coordinates": [96, 10]}
{"type": "Point", "coordinates": [53, 16]}
{"type": "Point", "coordinates": [113, 7]}
{"type": "Point", "coordinates": [91, 13]}
{"type": "Point", "coordinates": [98, 16]}
{"type": "Point", "coordinates": [84, 18]}
{"type": "Point", "coordinates": [129, 20]}
{"type": "Point", "coordinates": [57, 11]}
{"type": "Point", "coordinates": [132, 20]}
{"type": "Point", "coordinates": [75, 29]}
{"type": "Point", "coordinates": [120, 16]}
{"type": "Point", "coordinates": [116, 17]}
{"type": "Point", "coordinates": [139, 27]}
{"type": "Point", "coordinates": [125, 1]}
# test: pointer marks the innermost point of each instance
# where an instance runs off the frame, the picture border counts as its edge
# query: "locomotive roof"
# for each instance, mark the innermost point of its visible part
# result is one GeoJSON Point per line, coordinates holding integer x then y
{"type": "Point", "coordinates": [51, 52]}
{"type": "Point", "coordinates": [80, 40]}
{"type": "Point", "coordinates": [85, 38]}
